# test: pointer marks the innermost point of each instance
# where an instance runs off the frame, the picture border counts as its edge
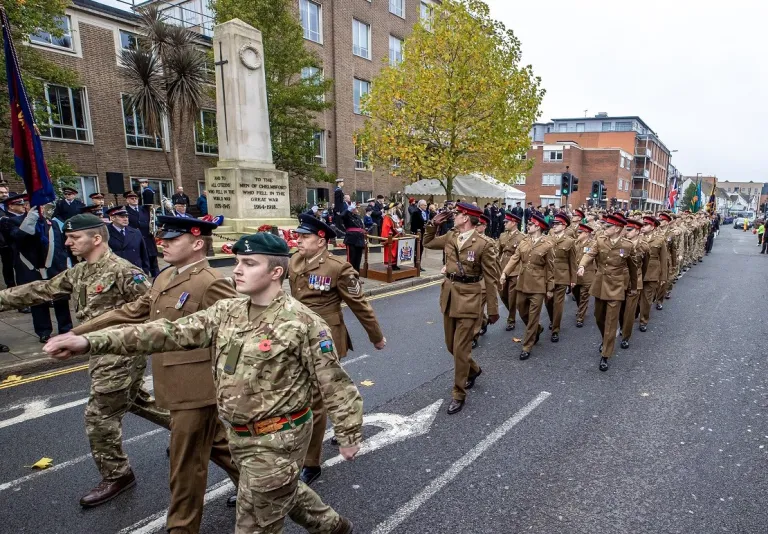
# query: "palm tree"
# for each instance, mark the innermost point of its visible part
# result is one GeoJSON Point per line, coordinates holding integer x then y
{"type": "Point", "coordinates": [167, 77]}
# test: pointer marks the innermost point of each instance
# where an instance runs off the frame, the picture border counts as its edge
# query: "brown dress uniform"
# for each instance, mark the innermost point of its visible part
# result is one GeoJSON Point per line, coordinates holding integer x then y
{"type": "Point", "coordinates": [641, 253]}
{"type": "Point", "coordinates": [656, 273]}
{"type": "Point", "coordinates": [508, 243]}
{"type": "Point", "coordinates": [184, 385]}
{"type": "Point", "coordinates": [536, 264]}
{"type": "Point", "coordinates": [563, 248]}
{"type": "Point", "coordinates": [322, 283]}
{"type": "Point", "coordinates": [461, 295]}
{"type": "Point", "coordinates": [584, 282]}
{"type": "Point", "coordinates": [609, 286]}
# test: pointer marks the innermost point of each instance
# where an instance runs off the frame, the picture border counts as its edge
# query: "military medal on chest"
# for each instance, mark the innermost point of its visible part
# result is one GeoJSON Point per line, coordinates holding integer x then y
{"type": "Point", "coordinates": [470, 255]}
{"type": "Point", "coordinates": [621, 252]}
{"type": "Point", "coordinates": [327, 284]}
{"type": "Point", "coordinates": [182, 299]}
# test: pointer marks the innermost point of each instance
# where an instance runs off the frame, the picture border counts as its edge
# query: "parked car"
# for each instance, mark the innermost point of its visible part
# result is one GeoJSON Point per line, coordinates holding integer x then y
{"type": "Point", "coordinates": [728, 219]}
{"type": "Point", "coordinates": [739, 217]}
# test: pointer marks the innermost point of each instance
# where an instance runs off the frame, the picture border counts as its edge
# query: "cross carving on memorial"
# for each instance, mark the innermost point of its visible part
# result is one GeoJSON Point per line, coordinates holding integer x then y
{"type": "Point", "coordinates": [220, 63]}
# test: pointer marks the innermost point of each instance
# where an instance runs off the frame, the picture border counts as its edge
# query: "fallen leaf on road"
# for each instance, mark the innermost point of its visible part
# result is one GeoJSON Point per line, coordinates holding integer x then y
{"type": "Point", "coordinates": [430, 322]}
{"type": "Point", "coordinates": [11, 379]}
{"type": "Point", "coordinates": [516, 339]}
{"type": "Point", "coordinates": [42, 463]}
{"type": "Point", "coordinates": [366, 383]}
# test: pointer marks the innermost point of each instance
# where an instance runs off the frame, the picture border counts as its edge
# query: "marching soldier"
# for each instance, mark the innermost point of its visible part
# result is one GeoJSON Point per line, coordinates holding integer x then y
{"type": "Point", "coordinates": [657, 269]}
{"type": "Point", "coordinates": [321, 282]}
{"type": "Point", "coordinates": [469, 258]}
{"type": "Point", "coordinates": [536, 262]}
{"type": "Point", "coordinates": [183, 380]}
{"type": "Point", "coordinates": [101, 283]}
{"type": "Point", "coordinates": [508, 243]}
{"type": "Point", "coordinates": [578, 217]}
{"type": "Point", "coordinates": [565, 271]}
{"type": "Point", "coordinates": [629, 307]}
{"type": "Point", "coordinates": [671, 234]}
{"type": "Point", "coordinates": [482, 328]}
{"type": "Point", "coordinates": [270, 354]}
{"type": "Point", "coordinates": [612, 254]}
{"type": "Point", "coordinates": [584, 242]}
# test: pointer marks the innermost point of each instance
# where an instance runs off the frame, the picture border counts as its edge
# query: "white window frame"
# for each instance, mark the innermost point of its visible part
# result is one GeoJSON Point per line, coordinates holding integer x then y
{"type": "Point", "coordinates": [311, 196]}
{"type": "Point", "coordinates": [121, 32]}
{"type": "Point", "coordinates": [356, 106]}
{"type": "Point", "coordinates": [361, 159]}
{"type": "Point", "coordinates": [426, 13]}
{"type": "Point", "coordinates": [626, 126]}
{"type": "Point", "coordinates": [164, 134]}
{"type": "Point", "coordinates": [205, 145]}
{"type": "Point", "coordinates": [308, 72]}
{"type": "Point", "coordinates": [562, 127]}
{"type": "Point", "coordinates": [362, 196]}
{"type": "Point", "coordinates": [319, 159]}
{"type": "Point", "coordinates": [86, 116]}
{"type": "Point", "coordinates": [306, 21]}
{"type": "Point", "coordinates": [551, 179]}
{"type": "Point", "coordinates": [163, 187]}
{"type": "Point", "coordinates": [581, 127]}
{"type": "Point", "coordinates": [395, 56]}
{"type": "Point", "coordinates": [603, 126]}
{"type": "Point", "coordinates": [80, 180]}
{"type": "Point", "coordinates": [359, 49]}
{"type": "Point", "coordinates": [548, 156]}
{"type": "Point", "coordinates": [397, 8]}
{"type": "Point", "coordinates": [35, 40]}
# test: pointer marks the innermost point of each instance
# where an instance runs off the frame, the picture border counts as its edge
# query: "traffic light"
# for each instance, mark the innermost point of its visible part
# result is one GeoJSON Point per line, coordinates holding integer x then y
{"type": "Point", "coordinates": [565, 184]}
{"type": "Point", "coordinates": [574, 183]}
{"type": "Point", "coordinates": [603, 191]}
{"type": "Point", "coordinates": [595, 190]}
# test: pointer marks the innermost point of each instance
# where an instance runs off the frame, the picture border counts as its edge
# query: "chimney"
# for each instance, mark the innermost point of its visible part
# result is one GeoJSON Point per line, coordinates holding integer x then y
{"type": "Point", "coordinates": [601, 115]}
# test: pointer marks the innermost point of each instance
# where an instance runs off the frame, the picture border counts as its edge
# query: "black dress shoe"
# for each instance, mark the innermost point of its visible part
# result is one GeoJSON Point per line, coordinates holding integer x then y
{"type": "Point", "coordinates": [643, 327]}
{"type": "Point", "coordinates": [525, 355]}
{"type": "Point", "coordinates": [555, 338]}
{"type": "Point", "coordinates": [483, 330]}
{"type": "Point", "coordinates": [471, 380]}
{"type": "Point", "coordinates": [603, 364]}
{"type": "Point", "coordinates": [579, 324]}
{"type": "Point", "coordinates": [455, 406]}
{"type": "Point", "coordinates": [232, 501]}
{"type": "Point", "coordinates": [668, 296]}
{"type": "Point", "coordinates": [4, 348]}
{"type": "Point", "coordinates": [395, 268]}
{"type": "Point", "coordinates": [310, 474]}
{"type": "Point", "coordinates": [550, 326]}
{"type": "Point", "coordinates": [625, 344]}
{"type": "Point", "coordinates": [45, 338]}
{"type": "Point", "coordinates": [659, 307]}
{"type": "Point", "coordinates": [510, 327]}
{"type": "Point", "coordinates": [474, 343]}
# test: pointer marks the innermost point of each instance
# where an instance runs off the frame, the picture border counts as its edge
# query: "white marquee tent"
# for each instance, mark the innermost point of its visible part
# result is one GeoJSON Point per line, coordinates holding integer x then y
{"type": "Point", "coordinates": [470, 187]}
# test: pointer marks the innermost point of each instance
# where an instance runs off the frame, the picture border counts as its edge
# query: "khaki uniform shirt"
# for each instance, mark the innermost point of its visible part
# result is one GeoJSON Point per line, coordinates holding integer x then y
{"type": "Point", "coordinates": [611, 260]}
{"type": "Point", "coordinates": [183, 380]}
{"type": "Point", "coordinates": [322, 284]}
{"type": "Point", "coordinates": [508, 243]}
{"type": "Point", "coordinates": [265, 366]}
{"type": "Point", "coordinates": [657, 262]}
{"type": "Point", "coordinates": [536, 262]}
{"type": "Point", "coordinates": [565, 259]}
{"type": "Point", "coordinates": [589, 269]}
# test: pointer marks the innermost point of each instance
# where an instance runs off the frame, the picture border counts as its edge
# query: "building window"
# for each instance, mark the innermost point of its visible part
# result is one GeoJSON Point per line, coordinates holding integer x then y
{"type": "Point", "coordinates": [66, 114]}
{"type": "Point", "coordinates": [318, 144]}
{"type": "Point", "coordinates": [621, 184]}
{"type": "Point", "coordinates": [64, 41]}
{"type": "Point", "coordinates": [579, 127]}
{"type": "Point", "coordinates": [397, 7]}
{"type": "Point", "coordinates": [136, 134]}
{"type": "Point", "coordinates": [312, 197]}
{"type": "Point", "coordinates": [426, 13]}
{"type": "Point", "coordinates": [562, 127]}
{"type": "Point", "coordinates": [360, 89]}
{"type": "Point", "coordinates": [129, 41]}
{"type": "Point", "coordinates": [606, 126]}
{"type": "Point", "coordinates": [162, 188]}
{"type": "Point", "coordinates": [85, 185]}
{"type": "Point", "coordinates": [395, 51]}
{"type": "Point", "coordinates": [623, 126]}
{"type": "Point", "coordinates": [206, 134]}
{"type": "Point", "coordinates": [553, 155]}
{"type": "Point", "coordinates": [361, 159]}
{"type": "Point", "coordinates": [311, 20]}
{"type": "Point", "coordinates": [550, 179]}
{"type": "Point", "coordinates": [314, 75]}
{"type": "Point", "coordinates": [361, 39]}
{"type": "Point", "coordinates": [362, 196]}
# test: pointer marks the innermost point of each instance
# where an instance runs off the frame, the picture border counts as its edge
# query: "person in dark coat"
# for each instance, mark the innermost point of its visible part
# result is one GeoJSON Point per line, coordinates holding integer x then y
{"type": "Point", "coordinates": [69, 206]}
{"type": "Point", "coordinates": [339, 205]}
{"type": "Point", "coordinates": [6, 254]}
{"type": "Point", "coordinates": [38, 254]}
{"type": "Point", "coordinates": [378, 212]}
{"type": "Point", "coordinates": [419, 219]}
{"type": "Point", "coordinates": [202, 203]}
{"type": "Point", "coordinates": [147, 193]}
{"type": "Point", "coordinates": [139, 217]}
{"type": "Point", "coordinates": [180, 210]}
{"type": "Point", "coordinates": [354, 236]}
{"type": "Point", "coordinates": [125, 241]}
{"type": "Point", "coordinates": [180, 197]}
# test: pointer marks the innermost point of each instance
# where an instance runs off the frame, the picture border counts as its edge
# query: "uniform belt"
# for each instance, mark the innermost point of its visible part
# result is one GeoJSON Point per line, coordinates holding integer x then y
{"type": "Point", "coordinates": [273, 424]}
{"type": "Point", "coordinates": [360, 230]}
{"type": "Point", "coordinates": [453, 277]}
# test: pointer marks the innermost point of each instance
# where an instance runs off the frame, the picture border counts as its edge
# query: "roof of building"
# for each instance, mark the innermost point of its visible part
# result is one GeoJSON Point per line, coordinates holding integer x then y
{"type": "Point", "coordinates": [106, 9]}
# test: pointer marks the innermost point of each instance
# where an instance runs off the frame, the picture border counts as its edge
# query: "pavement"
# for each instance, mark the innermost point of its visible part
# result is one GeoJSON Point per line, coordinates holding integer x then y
{"type": "Point", "coordinates": [26, 354]}
{"type": "Point", "coordinates": [672, 439]}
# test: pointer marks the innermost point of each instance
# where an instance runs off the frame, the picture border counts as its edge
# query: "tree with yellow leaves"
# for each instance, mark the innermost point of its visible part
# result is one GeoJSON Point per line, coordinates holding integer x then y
{"type": "Point", "coordinates": [459, 102]}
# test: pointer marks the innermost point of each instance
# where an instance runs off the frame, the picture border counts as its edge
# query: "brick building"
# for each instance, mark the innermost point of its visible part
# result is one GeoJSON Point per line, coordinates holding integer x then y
{"type": "Point", "coordinates": [649, 157]}
{"type": "Point", "coordinates": [550, 160]}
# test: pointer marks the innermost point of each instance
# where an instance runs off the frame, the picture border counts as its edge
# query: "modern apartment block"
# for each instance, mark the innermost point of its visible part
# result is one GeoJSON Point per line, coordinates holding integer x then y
{"type": "Point", "coordinates": [650, 158]}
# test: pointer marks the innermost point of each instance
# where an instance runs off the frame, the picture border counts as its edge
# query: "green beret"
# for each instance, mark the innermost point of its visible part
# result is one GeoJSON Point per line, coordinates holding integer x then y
{"type": "Point", "coordinates": [83, 221]}
{"type": "Point", "coordinates": [261, 243]}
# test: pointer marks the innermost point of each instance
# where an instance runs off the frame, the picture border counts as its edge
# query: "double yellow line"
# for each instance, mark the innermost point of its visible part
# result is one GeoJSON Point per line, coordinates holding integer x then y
{"type": "Point", "coordinates": [76, 368]}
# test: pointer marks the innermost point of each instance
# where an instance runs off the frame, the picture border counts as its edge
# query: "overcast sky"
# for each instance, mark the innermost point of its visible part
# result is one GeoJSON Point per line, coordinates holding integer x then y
{"type": "Point", "coordinates": [695, 72]}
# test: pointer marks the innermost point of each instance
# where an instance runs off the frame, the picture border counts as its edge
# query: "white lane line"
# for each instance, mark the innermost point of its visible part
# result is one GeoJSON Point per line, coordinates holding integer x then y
{"type": "Point", "coordinates": [40, 407]}
{"type": "Point", "coordinates": [156, 522]}
{"type": "Point", "coordinates": [356, 359]}
{"type": "Point", "coordinates": [440, 482]}
{"type": "Point", "coordinates": [69, 463]}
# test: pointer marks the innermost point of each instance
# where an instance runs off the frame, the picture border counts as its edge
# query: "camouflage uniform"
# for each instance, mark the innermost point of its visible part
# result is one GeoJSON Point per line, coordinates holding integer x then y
{"type": "Point", "coordinates": [267, 361]}
{"type": "Point", "coordinates": [116, 380]}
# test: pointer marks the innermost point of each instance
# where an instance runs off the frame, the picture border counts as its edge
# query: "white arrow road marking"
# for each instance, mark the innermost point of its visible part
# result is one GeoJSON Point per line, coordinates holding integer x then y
{"type": "Point", "coordinates": [41, 406]}
{"type": "Point", "coordinates": [395, 427]}
{"type": "Point", "coordinates": [440, 482]}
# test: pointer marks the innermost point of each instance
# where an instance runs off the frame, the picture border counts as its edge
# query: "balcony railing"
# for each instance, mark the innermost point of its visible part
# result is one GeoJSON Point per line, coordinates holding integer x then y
{"type": "Point", "coordinates": [642, 152]}
{"type": "Point", "coordinates": [641, 173]}
{"type": "Point", "coordinates": [640, 193]}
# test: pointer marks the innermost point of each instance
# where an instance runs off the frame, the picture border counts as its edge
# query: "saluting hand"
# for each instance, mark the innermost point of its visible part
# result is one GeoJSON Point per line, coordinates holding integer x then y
{"type": "Point", "coordinates": [349, 453]}
{"type": "Point", "coordinates": [65, 346]}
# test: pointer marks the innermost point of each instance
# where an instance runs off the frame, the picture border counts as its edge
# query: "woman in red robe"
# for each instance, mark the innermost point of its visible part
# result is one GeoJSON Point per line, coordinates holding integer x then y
{"type": "Point", "coordinates": [390, 227]}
